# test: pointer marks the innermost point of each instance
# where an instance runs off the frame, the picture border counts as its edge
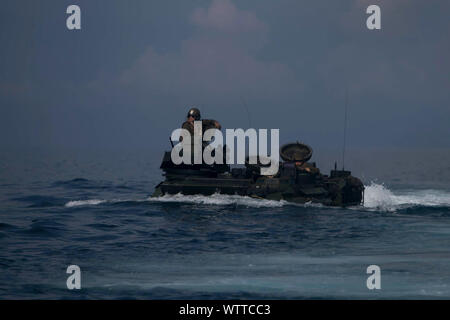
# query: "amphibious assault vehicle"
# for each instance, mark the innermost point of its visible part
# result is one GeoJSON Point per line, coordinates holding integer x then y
{"type": "Point", "coordinates": [297, 180]}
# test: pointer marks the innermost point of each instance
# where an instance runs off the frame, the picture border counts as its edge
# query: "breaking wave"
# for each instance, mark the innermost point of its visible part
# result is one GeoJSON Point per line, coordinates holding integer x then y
{"type": "Point", "coordinates": [79, 203]}
{"type": "Point", "coordinates": [379, 197]}
{"type": "Point", "coordinates": [215, 199]}
{"type": "Point", "coordinates": [221, 199]}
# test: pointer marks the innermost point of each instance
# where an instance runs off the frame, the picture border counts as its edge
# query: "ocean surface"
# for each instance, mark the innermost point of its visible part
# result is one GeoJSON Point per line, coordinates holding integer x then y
{"type": "Point", "coordinates": [93, 209]}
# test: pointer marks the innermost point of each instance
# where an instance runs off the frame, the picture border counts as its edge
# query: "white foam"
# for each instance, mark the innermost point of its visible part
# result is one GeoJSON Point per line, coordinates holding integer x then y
{"type": "Point", "coordinates": [378, 196]}
{"type": "Point", "coordinates": [220, 199]}
{"type": "Point", "coordinates": [215, 199]}
{"type": "Point", "coordinates": [78, 203]}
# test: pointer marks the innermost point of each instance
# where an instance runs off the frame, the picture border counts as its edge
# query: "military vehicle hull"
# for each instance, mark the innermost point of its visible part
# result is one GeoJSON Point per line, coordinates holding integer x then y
{"type": "Point", "coordinates": [294, 182]}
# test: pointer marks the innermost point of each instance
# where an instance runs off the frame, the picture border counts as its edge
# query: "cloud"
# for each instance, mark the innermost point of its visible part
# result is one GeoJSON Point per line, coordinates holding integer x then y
{"type": "Point", "coordinates": [402, 61]}
{"type": "Point", "coordinates": [223, 15]}
{"type": "Point", "coordinates": [218, 61]}
{"type": "Point", "coordinates": [300, 67]}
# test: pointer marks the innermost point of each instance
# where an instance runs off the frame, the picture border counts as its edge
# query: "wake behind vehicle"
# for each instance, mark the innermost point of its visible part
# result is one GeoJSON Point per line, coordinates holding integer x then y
{"type": "Point", "coordinates": [297, 180]}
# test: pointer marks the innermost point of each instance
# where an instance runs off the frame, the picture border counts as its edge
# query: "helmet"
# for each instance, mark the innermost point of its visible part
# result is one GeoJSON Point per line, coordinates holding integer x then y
{"type": "Point", "coordinates": [195, 113]}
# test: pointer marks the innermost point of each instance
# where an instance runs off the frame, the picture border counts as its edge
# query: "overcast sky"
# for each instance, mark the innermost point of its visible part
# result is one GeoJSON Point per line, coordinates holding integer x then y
{"type": "Point", "coordinates": [127, 79]}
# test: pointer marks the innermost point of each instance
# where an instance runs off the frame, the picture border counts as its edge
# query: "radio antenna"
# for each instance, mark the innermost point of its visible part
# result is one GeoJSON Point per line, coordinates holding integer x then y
{"type": "Point", "coordinates": [345, 128]}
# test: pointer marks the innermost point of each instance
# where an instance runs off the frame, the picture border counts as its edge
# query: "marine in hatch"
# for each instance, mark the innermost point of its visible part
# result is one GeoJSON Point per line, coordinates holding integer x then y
{"type": "Point", "coordinates": [194, 115]}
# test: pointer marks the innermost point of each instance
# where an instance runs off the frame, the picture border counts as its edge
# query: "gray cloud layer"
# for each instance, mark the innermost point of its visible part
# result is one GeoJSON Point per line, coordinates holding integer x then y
{"type": "Point", "coordinates": [128, 77]}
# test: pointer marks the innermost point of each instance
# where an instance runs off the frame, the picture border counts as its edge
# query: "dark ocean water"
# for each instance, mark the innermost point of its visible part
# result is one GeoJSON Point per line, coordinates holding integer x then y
{"type": "Point", "coordinates": [92, 209]}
